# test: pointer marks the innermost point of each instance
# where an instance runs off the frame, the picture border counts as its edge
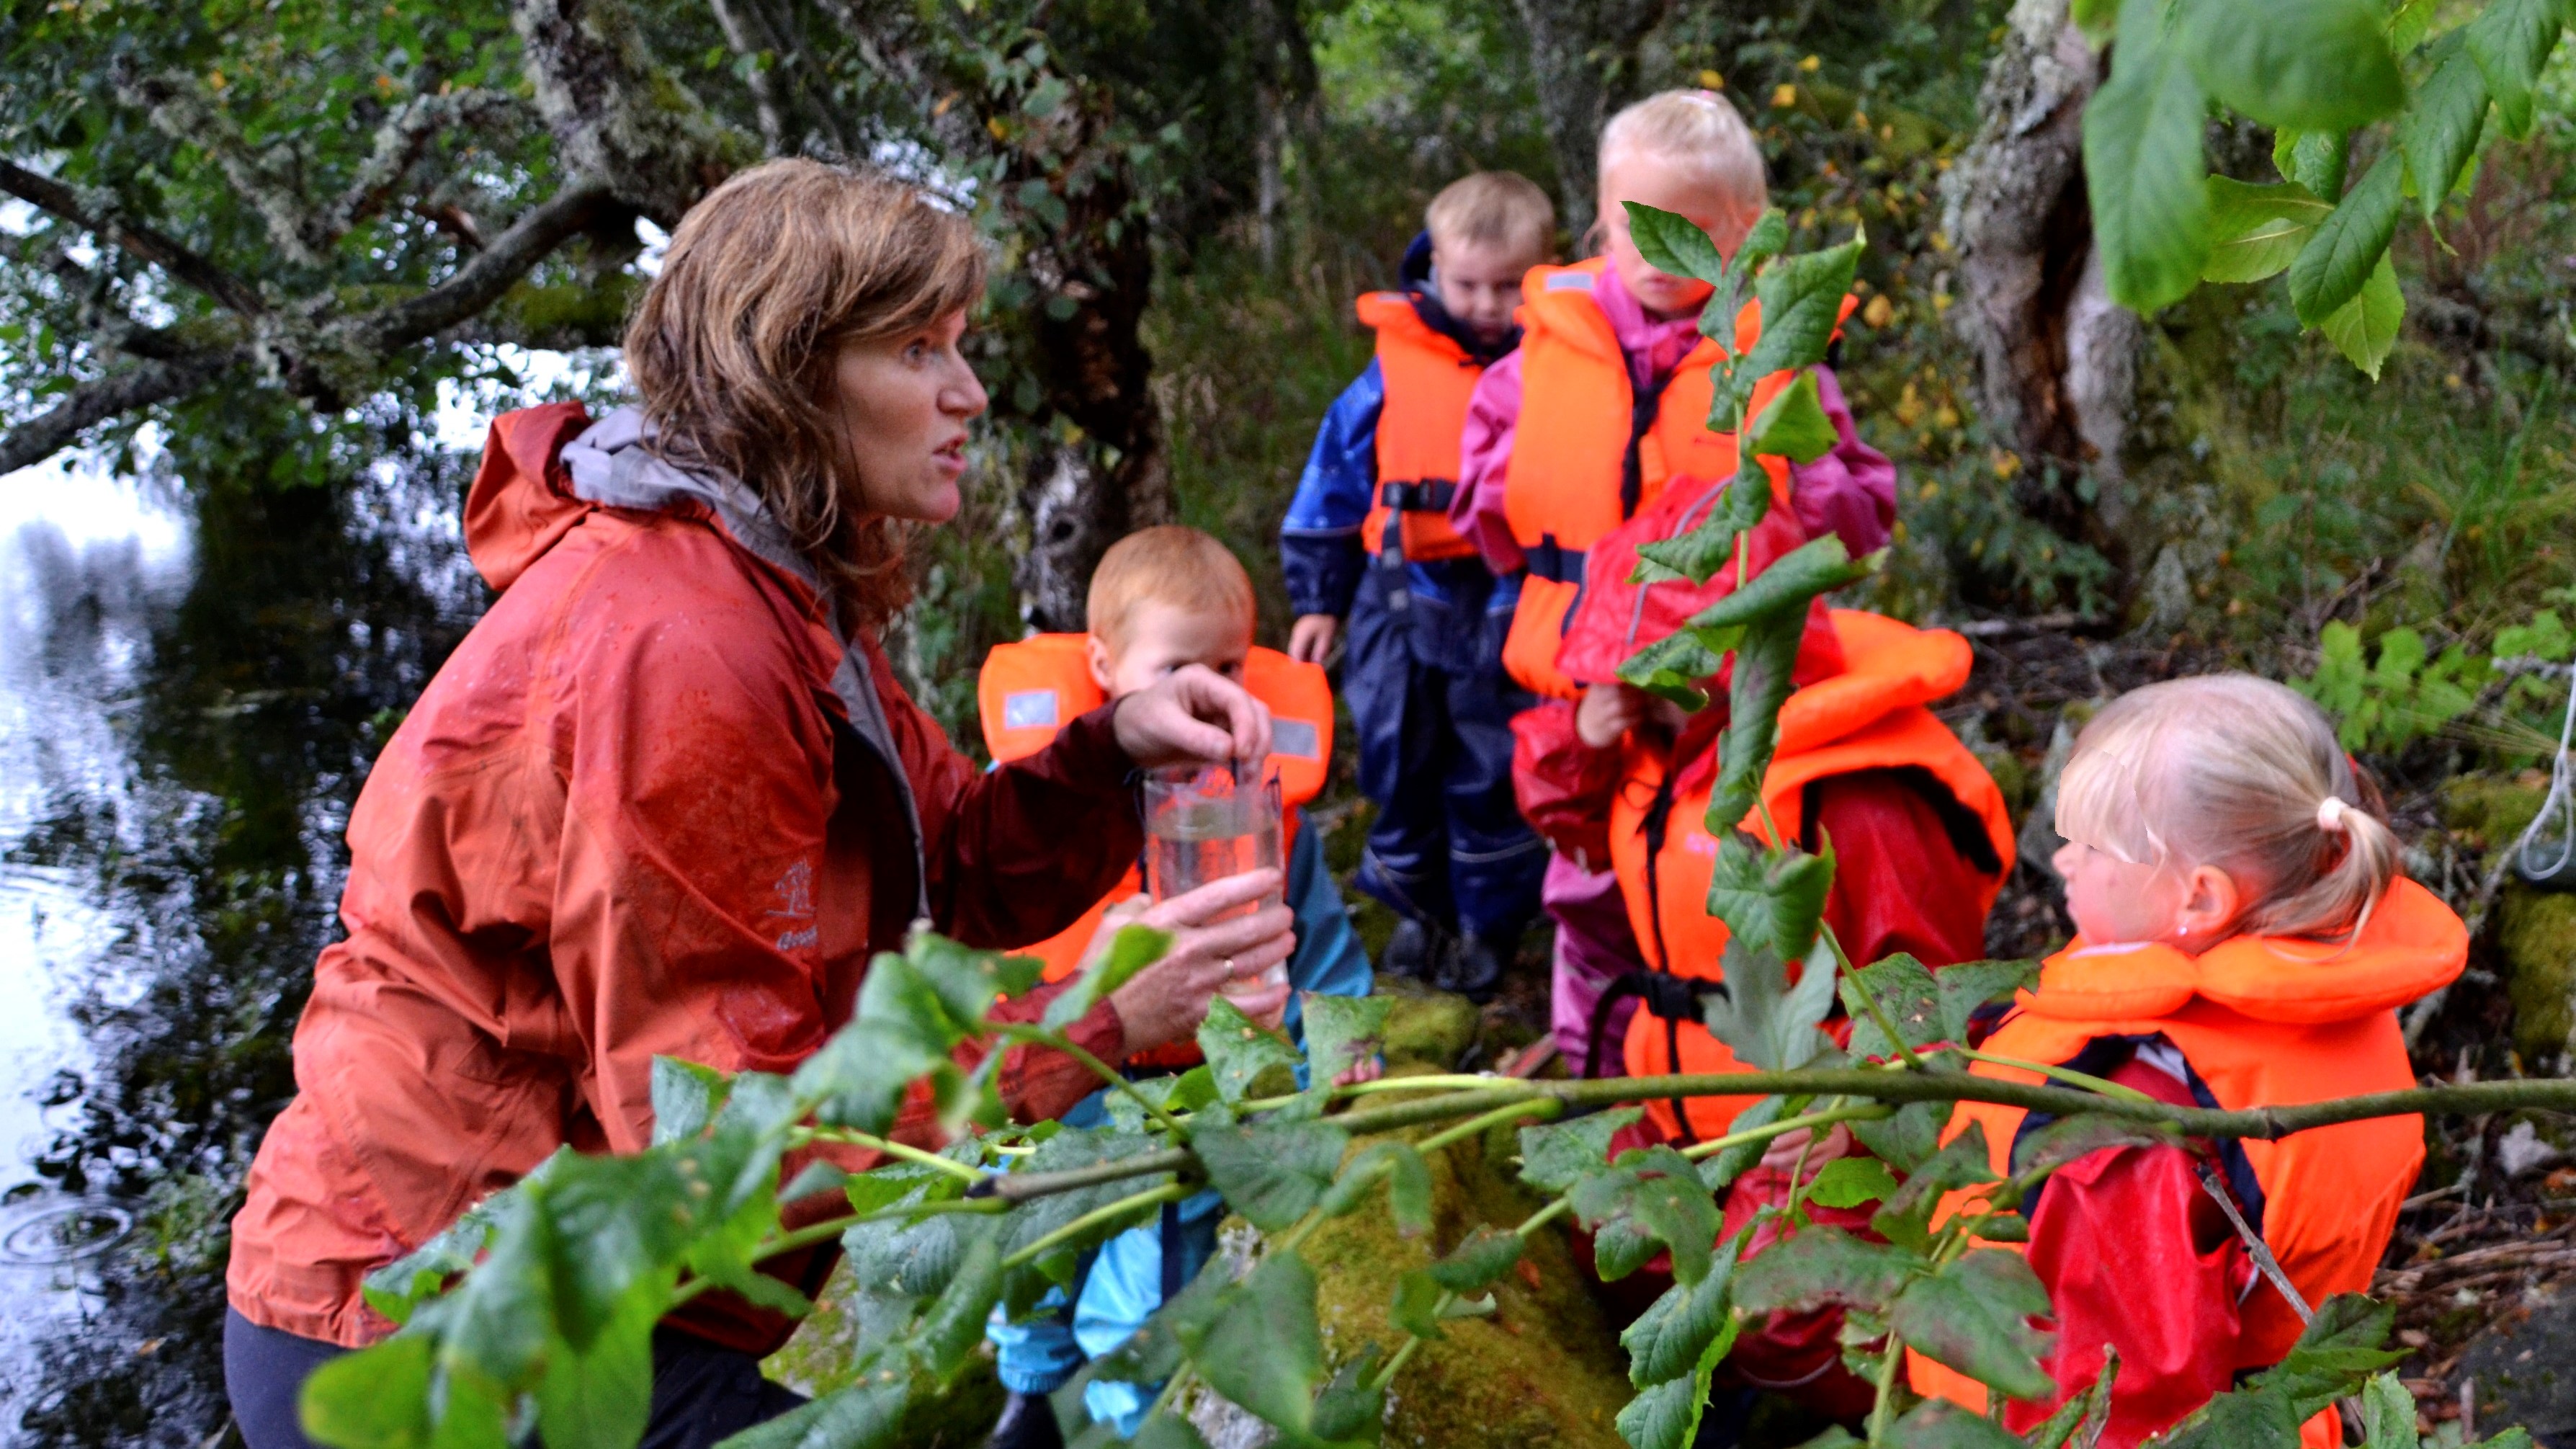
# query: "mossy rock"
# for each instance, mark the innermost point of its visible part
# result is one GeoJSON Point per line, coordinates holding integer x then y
{"type": "Point", "coordinates": [1427, 1027]}
{"type": "Point", "coordinates": [2536, 935]}
{"type": "Point", "coordinates": [2495, 811]}
{"type": "Point", "coordinates": [1545, 1369]}
{"type": "Point", "coordinates": [818, 1360]}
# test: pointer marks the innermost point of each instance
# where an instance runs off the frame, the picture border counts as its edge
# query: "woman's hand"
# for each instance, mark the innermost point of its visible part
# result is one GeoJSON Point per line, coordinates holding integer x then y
{"type": "Point", "coordinates": [1607, 712]}
{"type": "Point", "coordinates": [1783, 1153]}
{"type": "Point", "coordinates": [1167, 1000]}
{"type": "Point", "coordinates": [1311, 637]}
{"type": "Point", "coordinates": [1192, 716]}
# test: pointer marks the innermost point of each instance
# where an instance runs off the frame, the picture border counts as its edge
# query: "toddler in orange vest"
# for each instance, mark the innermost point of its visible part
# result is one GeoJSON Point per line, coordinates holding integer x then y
{"type": "Point", "coordinates": [1618, 375]}
{"type": "Point", "coordinates": [1162, 598]}
{"type": "Point", "coordinates": [2243, 939]}
{"type": "Point", "coordinates": [1367, 539]}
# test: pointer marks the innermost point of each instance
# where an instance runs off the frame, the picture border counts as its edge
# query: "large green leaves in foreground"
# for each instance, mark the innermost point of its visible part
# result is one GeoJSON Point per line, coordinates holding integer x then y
{"type": "Point", "coordinates": [2321, 73]}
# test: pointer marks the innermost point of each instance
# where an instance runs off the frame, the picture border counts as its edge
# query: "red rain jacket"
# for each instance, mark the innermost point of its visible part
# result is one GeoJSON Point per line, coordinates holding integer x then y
{"type": "Point", "coordinates": [650, 806]}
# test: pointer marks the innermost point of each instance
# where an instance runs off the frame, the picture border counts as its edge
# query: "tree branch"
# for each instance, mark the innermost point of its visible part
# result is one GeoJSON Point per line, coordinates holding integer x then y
{"type": "Point", "coordinates": [92, 403]}
{"type": "Point", "coordinates": [494, 270]}
{"type": "Point", "coordinates": [186, 266]}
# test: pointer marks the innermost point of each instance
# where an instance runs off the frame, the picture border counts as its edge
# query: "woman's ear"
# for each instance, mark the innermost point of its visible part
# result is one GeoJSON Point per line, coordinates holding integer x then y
{"type": "Point", "coordinates": [1104, 669]}
{"type": "Point", "coordinates": [2210, 903]}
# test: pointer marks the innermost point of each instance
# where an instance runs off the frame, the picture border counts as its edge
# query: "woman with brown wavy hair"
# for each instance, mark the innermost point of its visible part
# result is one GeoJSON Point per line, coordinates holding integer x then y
{"type": "Point", "coordinates": [667, 798]}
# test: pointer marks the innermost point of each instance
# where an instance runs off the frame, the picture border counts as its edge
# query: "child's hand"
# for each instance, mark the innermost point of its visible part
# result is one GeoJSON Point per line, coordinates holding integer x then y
{"type": "Point", "coordinates": [1214, 947]}
{"type": "Point", "coordinates": [1192, 715]}
{"type": "Point", "coordinates": [1312, 636]}
{"type": "Point", "coordinates": [1782, 1155]}
{"type": "Point", "coordinates": [1367, 1069]}
{"type": "Point", "coordinates": [1607, 712]}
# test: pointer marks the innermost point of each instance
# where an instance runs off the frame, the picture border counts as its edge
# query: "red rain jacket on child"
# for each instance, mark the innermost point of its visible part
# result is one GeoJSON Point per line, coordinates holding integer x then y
{"type": "Point", "coordinates": [652, 805]}
{"type": "Point", "coordinates": [2256, 1021]}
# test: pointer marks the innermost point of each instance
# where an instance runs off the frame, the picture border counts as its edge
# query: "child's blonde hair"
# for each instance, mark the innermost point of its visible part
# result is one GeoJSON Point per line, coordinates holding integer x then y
{"type": "Point", "coordinates": [1700, 131]}
{"type": "Point", "coordinates": [1493, 208]}
{"type": "Point", "coordinates": [2240, 773]}
{"type": "Point", "coordinates": [1171, 565]}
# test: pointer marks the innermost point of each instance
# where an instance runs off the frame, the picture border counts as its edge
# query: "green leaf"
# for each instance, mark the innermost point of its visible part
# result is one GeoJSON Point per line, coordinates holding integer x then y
{"type": "Point", "coordinates": [1905, 991]}
{"type": "Point", "coordinates": [1273, 1175]}
{"type": "Point", "coordinates": [1793, 425]}
{"type": "Point", "coordinates": [2336, 263]}
{"type": "Point", "coordinates": [2098, 19]}
{"type": "Point", "coordinates": [1802, 299]}
{"type": "Point", "coordinates": [2313, 159]}
{"type": "Point", "coordinates": [1257, 1342]}
{"type": "Point", "coordinates": [2311, 65]}
{"type": "Point", "coordinates": [1667, 1416]}
{"type": "Point", "coordinates": [376, 1398]}
{"type": "Point", "coordinates": [1906, 1140]}
{"type": "Point", "coordinates": [500, 1317]}
{"type": "Point", "coordinates": [2339, 1349]}
{"type": "Point", "coordinates": [686, 1098]}
{"type": "Point", "coordinates": [1848, 1182]}
{"type": "Point", "coordinates": [1727, 1164]}
{"type": "Point", "coordinates": [2440, 130]}
{"type": "Point", "coordinates": [860, 1076]}
{"type": "Point", "coordinates": [2387, 1414]}
{"type": "Point", "coordinates": [2144, 168]}
{"type": "Point", "coordinates": [1667, 1340]}
{"type": "Point", "coordinates": [1132, 950]}
{"type": "Point", "coordinates": [1416, 1308]}
{"type": "Point", "coordinates": [1340, 1031]}
{"type": "Point", "coordinates": [1771, 900]}
{"type": "Point", "coordinates": [1656, 1192]}
{"type": "Point", "coordinates": [968, 980]}
{"type": "Point", "coordinates": [1781, 592]}
{"type": "Point", "coordinates": [868, 1414]}
{"type": "Point", "coordinates": [1348, 1407]}
{"type": "Point", "coordinates": [1481, 1258]}
{"type": "Point", "coordinates": [2407, 26]}
{"type": "Point", "coordinates": [1819, 1266]}
{"type": "Point", "coordinates": [914, 1259]}
{"type": "Point", "coordinates": [1961, 1162]}
{"type": "Point", "coordinates": [1696, 556]}
{"type": "Point", "coordinates": [1673, 668]}
{"type": "Point", "coordinates": [1770, 1024]}
{"type": "Point", "coordinates": [2365, 328]}
{"type": "Point", "coordinates": [1555, 1155]}
{"type": "Point", "coordinates": [947, 1335]}
{"type": "Point", "coordinates": [1940, 1424]}
{"type": "Point", "coordinates": [2256, 231]}
{"type": "Point", "coordinates": [2510, 42]}
{"type": "Point", "coordinates": [2059, 1427]}
{"type": "Point", "coordinates": [1408, 1185]}
{"type": "Point", "coordinates": [2069, 1139]}
{"type": "Point", "coordinates": [2247, 1418]}
{"type": "Point", "coordinates": [602, 1397]}
{"type": "Point", "coordinates": [1974, 1315]}
{"type": "Point", "coordinates": [1239, 1053]}
{"type": "Point", "coordinates": [397, 1289]}
{"type": "Point", "coordinates": [1768, 238]}
{"type": "Point", "coordinates": [1673, 243]}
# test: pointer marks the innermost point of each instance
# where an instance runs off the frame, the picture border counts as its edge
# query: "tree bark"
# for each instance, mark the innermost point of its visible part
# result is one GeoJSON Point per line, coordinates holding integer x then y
{"type": "Point", "coordinates": [2056, 358]}
{"type": "Point", "coordinates": [1583, 55]}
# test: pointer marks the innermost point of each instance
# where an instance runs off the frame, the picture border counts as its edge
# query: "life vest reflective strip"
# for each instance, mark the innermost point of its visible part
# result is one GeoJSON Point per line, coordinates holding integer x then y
{"type": "Point", "coordinates": [1567, 483]}
{"type": "Point", "coordinates": [1030, 689]}
{"type": "Point", "coordinates": [2263, 1022]}
{"type": "Point", "coordinates": [1428, 379]}
{"type": "Point", "coordinates": [1869, 717]}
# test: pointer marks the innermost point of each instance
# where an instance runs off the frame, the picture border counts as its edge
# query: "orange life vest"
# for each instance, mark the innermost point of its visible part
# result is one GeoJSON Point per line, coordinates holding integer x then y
{"type": "Point", "coordinates": [2263, 1021]}
{"type": "Point", "coordinates": [1428, 378]}
{"type": "Point", "coordinates": [1869, 717]}
{"type": "Point", "coordinates": [1030, 689]}
{"type": "Point", "coordinates": [1562, 488]}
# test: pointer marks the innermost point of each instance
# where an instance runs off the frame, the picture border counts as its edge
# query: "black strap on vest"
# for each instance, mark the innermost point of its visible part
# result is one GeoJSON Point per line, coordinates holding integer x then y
{"type": "Point", "coordinates": [1644, 404]}
{"type": "Point", "coordinates": [1430, 495]}
{"type": "Point", "coordinates": [1553, 561]}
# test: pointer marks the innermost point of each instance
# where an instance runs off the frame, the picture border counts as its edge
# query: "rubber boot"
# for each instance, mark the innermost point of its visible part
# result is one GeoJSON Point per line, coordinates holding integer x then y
{"type": "Point", "coordinates": [1027, 1422]}
{"type": "Point", "coordinates": [1408, 951]}
{"type": "Point", "coordinates": [1472, 968]}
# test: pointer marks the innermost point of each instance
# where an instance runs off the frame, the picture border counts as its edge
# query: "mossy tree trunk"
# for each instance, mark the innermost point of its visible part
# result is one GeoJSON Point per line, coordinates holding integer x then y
{"type": "Point", "coordinates": [1583, 54]}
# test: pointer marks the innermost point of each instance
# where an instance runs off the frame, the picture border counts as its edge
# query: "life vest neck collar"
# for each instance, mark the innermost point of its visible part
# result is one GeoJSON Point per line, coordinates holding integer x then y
{"type": "Point", "coordinates": [2411, 945]}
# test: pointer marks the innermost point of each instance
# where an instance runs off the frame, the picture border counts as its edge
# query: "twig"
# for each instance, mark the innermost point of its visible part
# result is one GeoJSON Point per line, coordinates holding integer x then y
{"type": "Point", "coordinates": [1034, 1035]}
{"type": "Point", "coordinates": [1168, 1192]}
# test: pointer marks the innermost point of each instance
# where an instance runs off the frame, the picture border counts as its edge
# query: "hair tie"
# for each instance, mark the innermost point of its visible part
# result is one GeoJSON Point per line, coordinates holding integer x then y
{"type": "Point", "coordinates": [2330, 814]}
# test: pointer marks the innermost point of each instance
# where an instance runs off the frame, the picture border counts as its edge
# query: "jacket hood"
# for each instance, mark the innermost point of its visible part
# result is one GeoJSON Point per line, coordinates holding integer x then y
{"type": "Point", "coordinates": [545, 467]}
{"type": "Point", "coordinates": [2411, 945]}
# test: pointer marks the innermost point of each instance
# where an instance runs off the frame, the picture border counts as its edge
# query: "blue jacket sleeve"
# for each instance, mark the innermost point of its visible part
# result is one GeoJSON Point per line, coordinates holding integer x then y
{"type": "Point", "coordinates": [1319, 542]}
{"type": "Point", "coordinates": [1328, 960]}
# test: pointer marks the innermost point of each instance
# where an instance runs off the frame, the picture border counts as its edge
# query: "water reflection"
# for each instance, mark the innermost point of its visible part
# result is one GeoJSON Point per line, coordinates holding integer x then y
{"type": "Point", "coordinates": [186, 710]}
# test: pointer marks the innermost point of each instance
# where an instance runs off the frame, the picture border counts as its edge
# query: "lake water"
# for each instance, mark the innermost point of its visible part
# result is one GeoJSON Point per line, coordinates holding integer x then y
{"type": "Point", "coordinates": [190, 689]}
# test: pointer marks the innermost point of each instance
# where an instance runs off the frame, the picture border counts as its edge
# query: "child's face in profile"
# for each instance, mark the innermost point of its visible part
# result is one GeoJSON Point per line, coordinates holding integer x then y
{"type": "Point", "coordinates": [1162, 638]}
{"type": "Point", "coordinates": [1480, 283]}
{"type": "Point", "coordinates": [1658, 182]}
{"type": "Point", "coordinates": [2115, 900]}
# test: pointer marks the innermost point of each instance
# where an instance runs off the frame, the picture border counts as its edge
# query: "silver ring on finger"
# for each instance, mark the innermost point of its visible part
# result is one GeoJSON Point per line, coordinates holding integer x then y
{"type": "Point", "coordinates": [1229, 966]}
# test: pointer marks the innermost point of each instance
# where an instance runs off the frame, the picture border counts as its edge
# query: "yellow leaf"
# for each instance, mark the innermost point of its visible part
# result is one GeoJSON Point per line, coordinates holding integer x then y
{"type": "Point", "coordinates": [1784, 96]}
{"type": "Point", "coordinates": [1879, 312]}
{"type": "Point", "coordinates": [1711, 80]}
{"type": "Point", "coordinates": [1810, 64]}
